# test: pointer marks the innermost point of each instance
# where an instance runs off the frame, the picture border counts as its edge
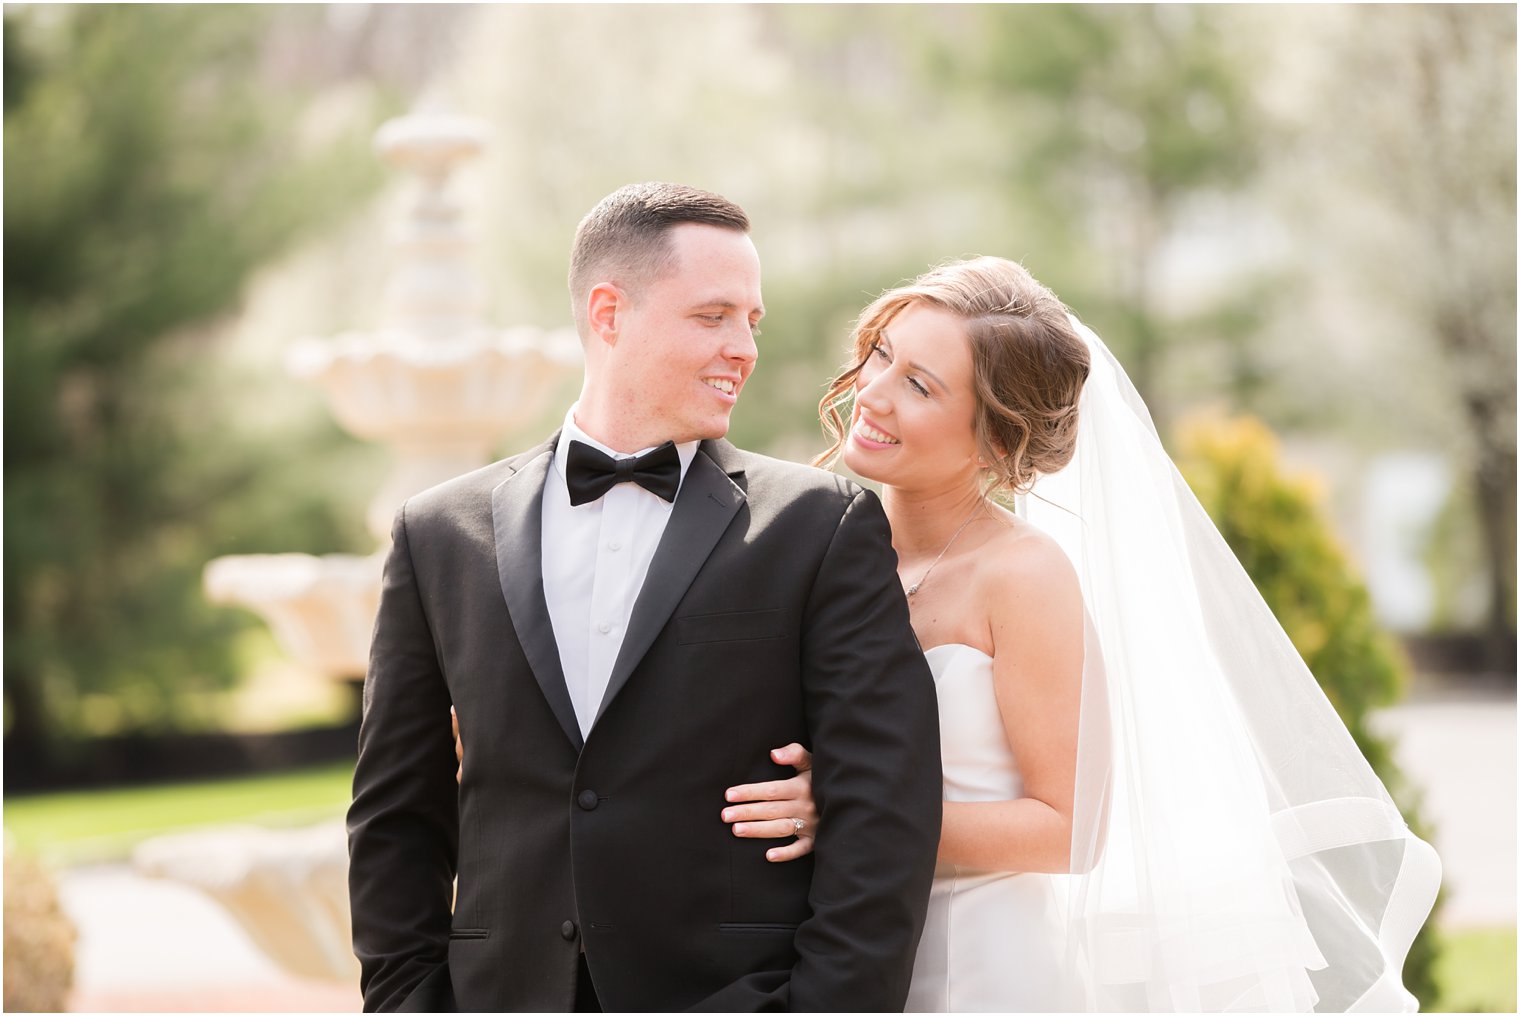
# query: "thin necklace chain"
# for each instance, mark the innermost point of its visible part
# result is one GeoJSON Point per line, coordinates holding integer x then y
{"type": "Point", "coordinates": [924, 577]}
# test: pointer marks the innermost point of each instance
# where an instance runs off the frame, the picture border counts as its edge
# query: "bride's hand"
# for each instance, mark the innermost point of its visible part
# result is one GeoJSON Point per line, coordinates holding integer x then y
{"type": "Point", "coordinates": [458, 746]}
{"type": "Point", "coordinates": [768, 810]}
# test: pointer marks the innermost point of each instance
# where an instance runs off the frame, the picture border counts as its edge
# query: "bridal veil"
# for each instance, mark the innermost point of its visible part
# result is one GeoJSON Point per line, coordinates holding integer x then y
{"type": "Point", "coordinates": [1232, 849]}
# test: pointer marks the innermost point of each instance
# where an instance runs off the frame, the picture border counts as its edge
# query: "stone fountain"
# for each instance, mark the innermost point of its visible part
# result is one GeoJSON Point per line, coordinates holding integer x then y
{"type": "Point", "coordinates": [435, 384]}
{"type": "Point", "coordinates": [440, 388]}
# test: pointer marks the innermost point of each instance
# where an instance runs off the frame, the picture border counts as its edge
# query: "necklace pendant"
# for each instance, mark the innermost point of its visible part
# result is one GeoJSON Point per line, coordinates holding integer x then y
{"type": "Point", "coordinates": [940, 556]}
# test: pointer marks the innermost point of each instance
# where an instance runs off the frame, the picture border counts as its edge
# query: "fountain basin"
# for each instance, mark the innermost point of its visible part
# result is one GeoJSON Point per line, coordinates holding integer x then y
{"type": "Point", "coordinates": [397, 392]}
{"type": "Point", "coordinates": [287, 888]}
{"type": "Point", "coordinates": [321, 609]}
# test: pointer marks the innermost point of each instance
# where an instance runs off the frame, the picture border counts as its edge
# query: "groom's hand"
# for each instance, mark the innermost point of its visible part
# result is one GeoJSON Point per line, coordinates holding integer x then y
{"type": "Point", "coordinates": [775, 807]}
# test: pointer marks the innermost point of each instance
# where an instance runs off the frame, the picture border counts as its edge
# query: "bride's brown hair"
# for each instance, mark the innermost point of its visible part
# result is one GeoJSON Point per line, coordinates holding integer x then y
{"type": "Point", "coordinates": [1028, 363]}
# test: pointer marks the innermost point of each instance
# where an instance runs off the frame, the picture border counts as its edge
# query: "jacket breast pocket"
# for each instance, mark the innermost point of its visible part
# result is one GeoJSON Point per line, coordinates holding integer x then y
{"type": "Point", "coordinates": [732, 626]}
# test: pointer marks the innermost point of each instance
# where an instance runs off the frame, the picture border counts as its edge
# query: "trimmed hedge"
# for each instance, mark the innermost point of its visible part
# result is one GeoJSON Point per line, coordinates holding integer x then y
{"type": "Point", "coordinates": [39, 940]}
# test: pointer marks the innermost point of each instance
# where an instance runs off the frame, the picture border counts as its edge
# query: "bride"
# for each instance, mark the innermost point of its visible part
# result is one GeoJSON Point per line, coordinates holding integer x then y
{"type": "Point", "coordinates": [1149, 803]}
{"type": "Point", "coordinates": [965, 384]}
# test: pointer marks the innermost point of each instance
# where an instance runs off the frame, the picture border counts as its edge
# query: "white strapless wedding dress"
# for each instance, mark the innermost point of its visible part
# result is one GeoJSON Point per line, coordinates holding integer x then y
{"type": "Point", "coordinates": [993, 941]}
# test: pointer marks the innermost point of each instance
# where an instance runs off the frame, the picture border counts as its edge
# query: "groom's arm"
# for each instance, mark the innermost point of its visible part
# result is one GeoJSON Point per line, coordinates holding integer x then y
{"type": "Point", "coordinates": [403, 825]}
{"type": "Point", "coordinates": [874, 725]}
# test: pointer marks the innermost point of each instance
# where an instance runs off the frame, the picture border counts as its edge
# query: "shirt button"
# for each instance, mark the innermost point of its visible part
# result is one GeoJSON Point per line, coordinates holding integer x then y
{"type": "Point", "coordinates": [604, 627]}
{"type": "Point", "coordinates": [567, 931]}
{"type": "Point", "coordinates": [587, 800]}
{"type": "Point", "coordinates": [614, 545]}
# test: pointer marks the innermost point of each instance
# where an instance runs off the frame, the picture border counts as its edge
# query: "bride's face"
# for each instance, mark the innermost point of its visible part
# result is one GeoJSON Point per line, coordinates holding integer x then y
{"type": "Point", "coordinates": [915, 404]}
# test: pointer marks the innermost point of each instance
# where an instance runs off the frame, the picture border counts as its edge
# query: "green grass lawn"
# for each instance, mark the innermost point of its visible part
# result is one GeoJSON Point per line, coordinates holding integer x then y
{"type": "Point", "coordinates": [1475, 970]}
{"type": "Point", "coordinates": [106, 824]}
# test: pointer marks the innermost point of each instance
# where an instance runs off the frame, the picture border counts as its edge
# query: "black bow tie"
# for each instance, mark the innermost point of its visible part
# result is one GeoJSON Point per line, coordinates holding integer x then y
{"type": "Point", "coordinates": [589, 473]}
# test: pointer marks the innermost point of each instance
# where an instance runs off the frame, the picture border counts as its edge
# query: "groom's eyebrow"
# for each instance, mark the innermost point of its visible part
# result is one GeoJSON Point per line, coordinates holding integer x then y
{"type": "Point", "coordinates": [730, 305]}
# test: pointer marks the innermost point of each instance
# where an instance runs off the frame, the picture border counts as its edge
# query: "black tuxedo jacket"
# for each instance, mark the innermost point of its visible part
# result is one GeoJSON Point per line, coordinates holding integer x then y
{"type": "Point", "coordinates": [771, 613]}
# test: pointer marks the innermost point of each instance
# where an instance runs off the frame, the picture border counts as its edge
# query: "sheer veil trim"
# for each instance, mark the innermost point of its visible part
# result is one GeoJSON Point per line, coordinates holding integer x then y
{"type": "Point", "coordinates": [1232, 850]}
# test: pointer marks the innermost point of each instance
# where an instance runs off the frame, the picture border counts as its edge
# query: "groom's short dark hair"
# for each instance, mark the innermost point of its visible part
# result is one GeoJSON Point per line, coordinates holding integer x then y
{"type": "Point", "coordinates": [624, 238]}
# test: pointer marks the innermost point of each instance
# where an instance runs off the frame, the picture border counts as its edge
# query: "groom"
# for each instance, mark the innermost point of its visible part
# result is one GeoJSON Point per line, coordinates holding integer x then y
{"type": "Point", "coordinates": [624, 636]}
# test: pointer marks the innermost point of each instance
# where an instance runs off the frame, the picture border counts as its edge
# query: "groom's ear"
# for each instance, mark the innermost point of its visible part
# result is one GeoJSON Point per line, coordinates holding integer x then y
{"type": "Point", "coordinates": [605, 306]}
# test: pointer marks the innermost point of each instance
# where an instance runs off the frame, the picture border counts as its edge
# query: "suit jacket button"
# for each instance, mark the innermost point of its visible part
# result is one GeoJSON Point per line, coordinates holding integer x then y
{"type": "Point", "coordinates": [587, 800]}
{"type": "Point", "coordinates": [567, 931]}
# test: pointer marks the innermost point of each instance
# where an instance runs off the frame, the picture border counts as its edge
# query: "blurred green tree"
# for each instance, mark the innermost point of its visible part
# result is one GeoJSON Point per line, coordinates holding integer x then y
{"type": "Point", "coordinates": [1118, 121]}
{"type": "Point", "coordinates": [1275, 525]}
{"type": "Point", "coordinates": [156, 156]}
{"type": "Point", "coordinates": [1430, 93]}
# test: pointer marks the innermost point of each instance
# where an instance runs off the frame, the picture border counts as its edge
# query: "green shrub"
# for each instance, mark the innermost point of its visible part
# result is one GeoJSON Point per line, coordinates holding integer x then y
{"type": "Point", "coordinates": [39, 940]}
{"type": "Point", "coordinates": [1276, 525]}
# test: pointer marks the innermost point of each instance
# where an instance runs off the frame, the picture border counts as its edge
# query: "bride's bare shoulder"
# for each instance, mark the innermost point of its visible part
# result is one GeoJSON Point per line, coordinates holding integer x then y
{"type": "Point", "coordinates": [1021, 554]}
{"type": "Point", "coordinates": [1032, 600]}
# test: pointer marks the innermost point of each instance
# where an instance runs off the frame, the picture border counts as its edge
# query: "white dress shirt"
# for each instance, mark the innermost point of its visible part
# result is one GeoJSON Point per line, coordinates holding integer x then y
{"type": "Point", "coordinates": [595, 558]}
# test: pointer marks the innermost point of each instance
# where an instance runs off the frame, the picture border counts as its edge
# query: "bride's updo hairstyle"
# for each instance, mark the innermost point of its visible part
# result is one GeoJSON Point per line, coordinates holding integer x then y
{"type": "Point", "coordinates": [1028, 362]}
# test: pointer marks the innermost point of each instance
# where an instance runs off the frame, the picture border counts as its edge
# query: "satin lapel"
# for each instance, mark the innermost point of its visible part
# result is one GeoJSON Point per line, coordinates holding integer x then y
{"type": "Point", "coordinates": [706, 504]}
{"type": "Point", "coordinates": [517, 509]}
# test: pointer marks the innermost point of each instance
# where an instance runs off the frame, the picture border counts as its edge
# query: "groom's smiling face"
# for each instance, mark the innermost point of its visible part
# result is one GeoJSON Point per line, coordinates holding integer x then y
{"type": "Point", "coordinates": [685, 342]}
